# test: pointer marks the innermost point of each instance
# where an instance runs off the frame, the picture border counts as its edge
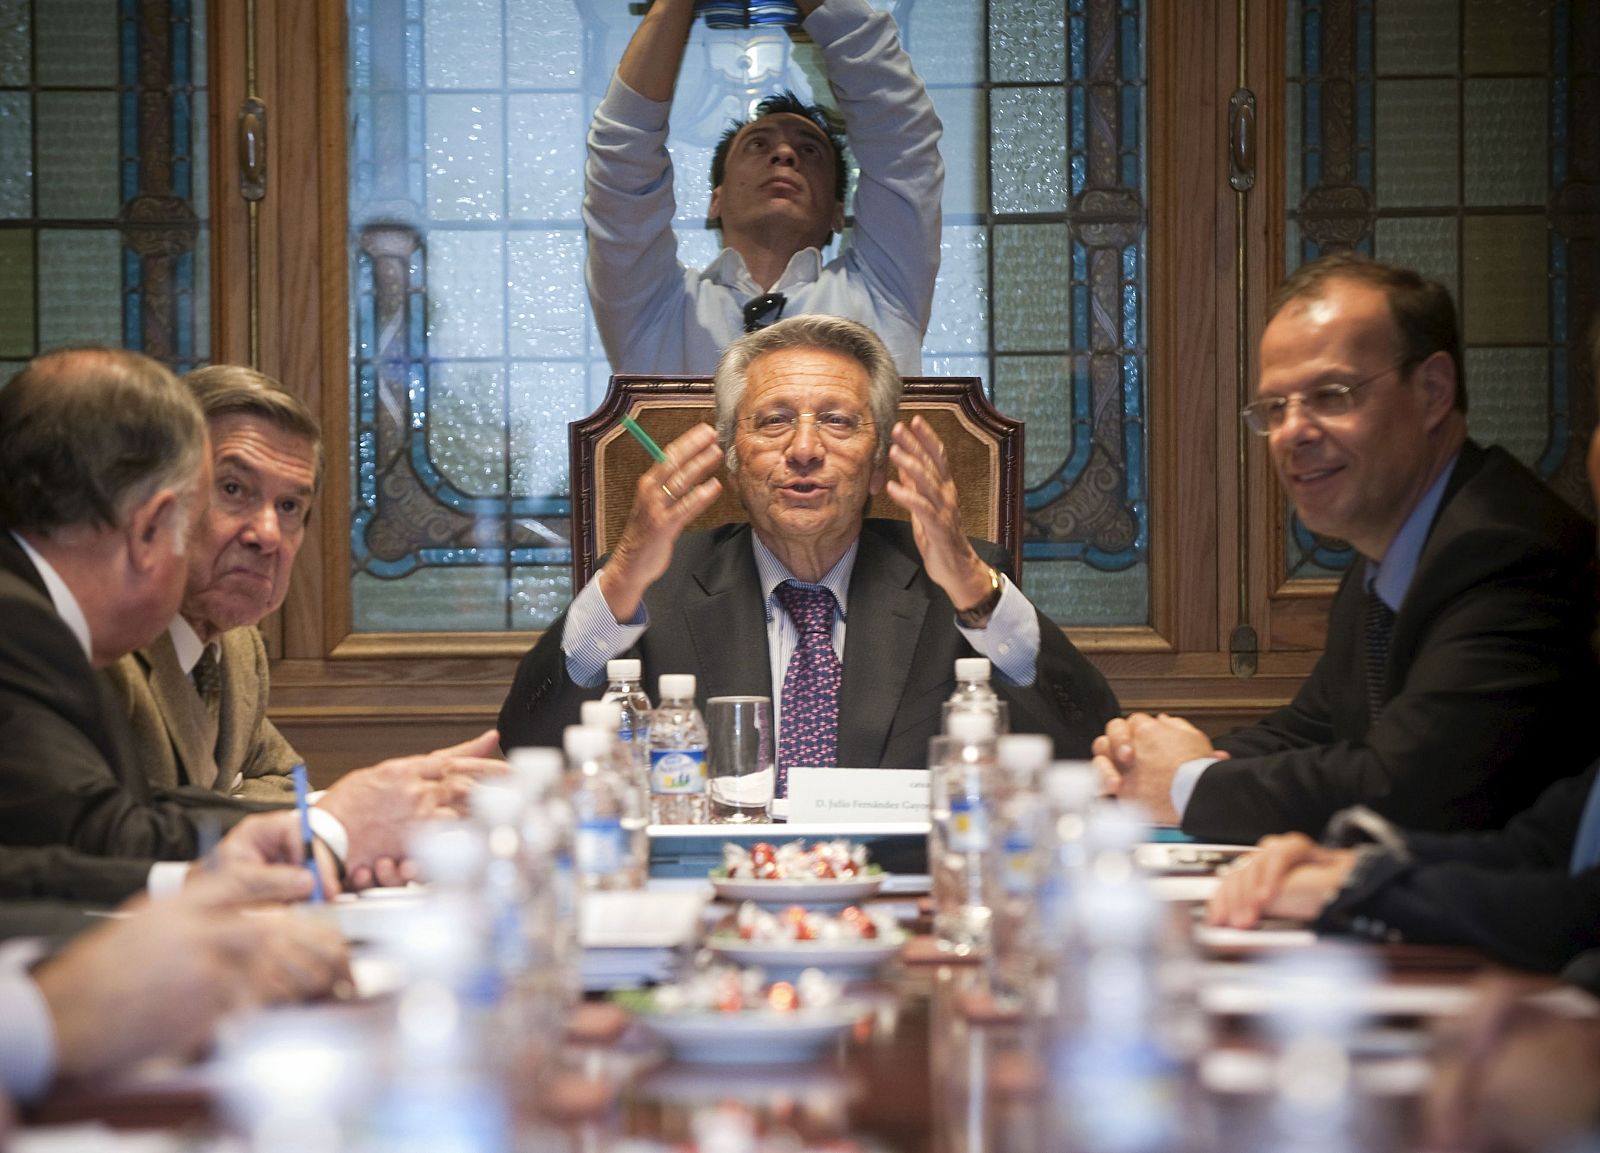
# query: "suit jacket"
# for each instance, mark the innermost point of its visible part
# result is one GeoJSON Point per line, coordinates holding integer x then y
{"type": "Point", "coordinates": [706, 617]}
{"type": "Point", "coordinates": [68, 772]}
{"type": "Point", "coordinates": [171, 728]}
{"type": "Point", "coordinates": [1508, 892]}
{"type": "Point", "coordinates": [55, 873]}
{"type": "Point", "coordinates": [1489, 662]}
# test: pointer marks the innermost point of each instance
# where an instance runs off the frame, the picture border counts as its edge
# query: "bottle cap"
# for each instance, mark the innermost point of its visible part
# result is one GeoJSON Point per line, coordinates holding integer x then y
{"type": "Point", "coordinates": [972, 669]}
{"type": "Point", "coordinates": [535, 769]}
{"type": "Point", "coordinates": [584, 743]}
{"type": "Point", "coordinates": [496, 802]}
{"type": "Point", "coordinates": [971, 726]}
{"type": "Point", "coordinates": [623, 669]}
{"type": "Point", "coordinates": [676, 686]}
{"type": "Point", "coordinates": [601, 715]}
{"type": "Point", "coordinates": [1071, 785]}
{"type": "Point", "coordinates": [1024, 753]}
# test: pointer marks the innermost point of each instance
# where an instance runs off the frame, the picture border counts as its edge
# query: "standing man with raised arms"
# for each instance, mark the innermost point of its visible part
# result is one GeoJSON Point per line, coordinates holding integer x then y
{"type": "Point", "coordinates": [778, 195]}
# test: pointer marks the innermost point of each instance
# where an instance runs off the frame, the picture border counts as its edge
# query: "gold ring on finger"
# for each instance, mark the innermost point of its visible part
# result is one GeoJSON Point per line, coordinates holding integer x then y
{"type": "Point", "coordinates": [672, 496]}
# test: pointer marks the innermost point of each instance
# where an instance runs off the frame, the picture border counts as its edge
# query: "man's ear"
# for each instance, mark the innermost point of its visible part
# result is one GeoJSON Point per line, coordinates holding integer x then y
{"type": "Point", "coordinates": [1436, 376]}
{"type": "Point", "coordinates": [714, 209]}
{"type": "Point", "coordinates": [836, 224]}
{"type": "Point", "coordinates": [153, 527]}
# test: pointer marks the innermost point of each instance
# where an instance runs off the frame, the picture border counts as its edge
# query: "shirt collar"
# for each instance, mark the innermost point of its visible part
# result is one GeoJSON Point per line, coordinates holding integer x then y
{"type": "Point", "coordinates": [67, 606]}
{"type": "Point", "coordinates": [186, 643]}
{"type": "Point", "coordinates": [730, 271]}
{"type": "Point", "coordinates": [1391, 576]}
{"type": "Point", "coordinates": [772, 573]}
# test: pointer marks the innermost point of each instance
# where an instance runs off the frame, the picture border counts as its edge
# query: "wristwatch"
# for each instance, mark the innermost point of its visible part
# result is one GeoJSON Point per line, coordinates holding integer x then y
{"type": "Point", "coordinates": [978, 615]}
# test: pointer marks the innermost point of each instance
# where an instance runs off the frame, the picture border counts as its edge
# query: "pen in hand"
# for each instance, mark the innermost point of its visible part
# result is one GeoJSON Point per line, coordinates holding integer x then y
{"type": "Point", "coordinates": [299, 774]}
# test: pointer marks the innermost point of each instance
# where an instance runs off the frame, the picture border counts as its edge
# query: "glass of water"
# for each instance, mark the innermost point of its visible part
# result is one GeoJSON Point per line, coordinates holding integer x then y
{"type": "Point", "coordinates": [740, 773]}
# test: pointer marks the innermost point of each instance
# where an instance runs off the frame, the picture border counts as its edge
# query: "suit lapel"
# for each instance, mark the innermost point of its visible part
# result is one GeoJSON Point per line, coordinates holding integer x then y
{"type": "Point", "coordinates": [188, 722]}
{"type": "Point", "coordinates": [880, 642]}
{"type": "Point", "coordinates": [730, 640]}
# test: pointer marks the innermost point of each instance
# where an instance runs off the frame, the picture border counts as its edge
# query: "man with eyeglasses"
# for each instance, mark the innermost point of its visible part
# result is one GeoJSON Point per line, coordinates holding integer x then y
{"type": "Point", "coordinates": [1457, 646]}
{"type": "Point", "coordinates": [852, 625]}
{"type": "Point", "coordinates": [779, 181]}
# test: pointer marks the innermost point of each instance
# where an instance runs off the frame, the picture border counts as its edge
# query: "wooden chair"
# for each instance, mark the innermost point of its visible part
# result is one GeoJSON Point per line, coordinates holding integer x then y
{"type": "Point", "coordinates": [984, 448]}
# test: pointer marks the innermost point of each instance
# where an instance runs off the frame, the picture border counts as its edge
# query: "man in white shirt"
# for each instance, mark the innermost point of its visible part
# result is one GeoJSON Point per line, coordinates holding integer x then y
{"type": "Point", "coordinates": [779, 183]}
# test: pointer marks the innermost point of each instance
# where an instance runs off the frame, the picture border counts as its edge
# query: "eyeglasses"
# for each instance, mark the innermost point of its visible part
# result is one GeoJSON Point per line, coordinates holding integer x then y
{"type": "Point", "coordinates": [780, 424]}
{"type": "Point", "coordinates": [1325, 402]}
{"type": "Point", "coordinates": [764, 310]}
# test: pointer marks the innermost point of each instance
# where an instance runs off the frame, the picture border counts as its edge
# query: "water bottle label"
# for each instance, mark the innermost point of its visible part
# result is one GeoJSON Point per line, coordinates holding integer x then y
{"type": "Point", "coordinates": [600, 846]}
{"type": "Point", "coordinates": [969, 825]}
{"type": "Point", "coordinates": [678, 771]}
{"type": "Point", "coordinates": [1017, 863]}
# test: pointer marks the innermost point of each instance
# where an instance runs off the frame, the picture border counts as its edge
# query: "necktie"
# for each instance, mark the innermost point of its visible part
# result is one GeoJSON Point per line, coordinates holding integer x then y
{"type": "Point", "coordinates": [1380, 627]}
{"type": "Point", "coordinates": [207, 676]}
{"type": "Point", "coordinates": [808, 731]}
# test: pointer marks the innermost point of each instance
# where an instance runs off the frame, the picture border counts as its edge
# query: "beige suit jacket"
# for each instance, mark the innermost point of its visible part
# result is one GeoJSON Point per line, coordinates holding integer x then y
{"type": "Point", "coordinates": [249, 758]}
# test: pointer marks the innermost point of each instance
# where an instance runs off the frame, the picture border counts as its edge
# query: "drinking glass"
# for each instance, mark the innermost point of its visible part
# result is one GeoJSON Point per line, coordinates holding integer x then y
{"type": "Point", "coordinates": [739, 756]}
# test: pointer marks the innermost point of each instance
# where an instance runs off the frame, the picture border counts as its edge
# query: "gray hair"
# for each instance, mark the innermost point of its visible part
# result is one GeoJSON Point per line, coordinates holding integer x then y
{"type": "Point", "coordinates": [88, 433]}
{"type": "Point", "coordinates": [234, 390]}
{"type": "Point", "coordinates": [829, 333]}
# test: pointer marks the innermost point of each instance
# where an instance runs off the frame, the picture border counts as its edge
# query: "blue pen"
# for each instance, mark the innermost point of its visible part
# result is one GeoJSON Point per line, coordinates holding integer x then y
{"type": "Point", "coordinates": [299, 774]}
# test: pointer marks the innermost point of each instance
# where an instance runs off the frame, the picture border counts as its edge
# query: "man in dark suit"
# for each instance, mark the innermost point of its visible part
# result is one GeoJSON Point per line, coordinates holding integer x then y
{"type": "Point", "coordinates": [806, 422]}
{"type": "Point", "coordinates": [1528, 894]}
{"type": "Point", "coordinates": [1457, 644]}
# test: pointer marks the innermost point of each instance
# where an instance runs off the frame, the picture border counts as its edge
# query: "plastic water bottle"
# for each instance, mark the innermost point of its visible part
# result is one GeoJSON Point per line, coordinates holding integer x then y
{"type": "Point", "coordinates": [547, 835]}
{"type": "Point", "coordinates": [631, 760]}
{"type": "Point", "coordinates": [602, 849]}
{"type": "Point", "coordinates": [974, 694]}
{"type": "Point", "coordinates": [677, 755]}
{"type": "Point", "coordinates": [1017, 865]}
{"type": "Point", "coordinates": [1116, 1083]}
{"type": "Point", "coordinates": [624, 686]}
{"type": "Point", "coordinates": [960, 831]}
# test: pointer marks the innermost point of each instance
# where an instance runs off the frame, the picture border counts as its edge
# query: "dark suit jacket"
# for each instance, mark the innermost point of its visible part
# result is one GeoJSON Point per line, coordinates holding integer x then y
{"type": "Point", "coordinates": [54, 873]}
{"type": "Point", "coordinates": [1508, 892]}
{"type": "Point", "coordinates": [68, 775]}
{"type": "Point", "coordinates": [1489, 663]}
{"type": "Point", "coordinates": [900, 647]}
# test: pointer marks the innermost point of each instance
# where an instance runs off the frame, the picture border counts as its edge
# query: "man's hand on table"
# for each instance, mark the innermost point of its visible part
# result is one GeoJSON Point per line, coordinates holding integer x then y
{"type": "Point", "coordinates": [264, 856]}
{"type": "Point", "coordinates": [379, 804]}
{"type": "Point", "coordinates": [1138, 755]}
{"type": "Point", "coordinates": [158, 982]}
{"type": "Point", "coordinates": [926, 490]}
{"type": "Point", "coordinates": [669, 496]}
{"type": "Point", "coordinates": [1288, 876]}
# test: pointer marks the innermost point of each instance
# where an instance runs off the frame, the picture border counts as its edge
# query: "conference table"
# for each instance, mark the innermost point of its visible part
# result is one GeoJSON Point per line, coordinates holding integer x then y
{"type": "Point", "coordinates": [928, 1064]}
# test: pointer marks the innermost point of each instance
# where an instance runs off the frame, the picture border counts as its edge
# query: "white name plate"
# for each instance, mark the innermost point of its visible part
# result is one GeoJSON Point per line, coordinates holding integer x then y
{"type": "Point", "coordinates": [857, 796]}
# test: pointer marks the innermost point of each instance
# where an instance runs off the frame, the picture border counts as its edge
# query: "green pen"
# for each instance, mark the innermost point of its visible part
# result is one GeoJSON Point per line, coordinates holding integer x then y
{"type": "Point", "coordinates": [643, 438]}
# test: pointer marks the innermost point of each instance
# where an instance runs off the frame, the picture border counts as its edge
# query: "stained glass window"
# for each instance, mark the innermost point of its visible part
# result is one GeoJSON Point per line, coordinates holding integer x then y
{"type": "Point", "coordinates": [1460, 137]}
{"type": "Point", "coordinates": [472, 344]}
{"type": "Point", "coordinates": [104, 234]}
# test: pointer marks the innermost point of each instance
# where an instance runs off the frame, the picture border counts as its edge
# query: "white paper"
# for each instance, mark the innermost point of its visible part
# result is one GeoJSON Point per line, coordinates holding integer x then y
{"type": "Point", "coordinates": [857, 796]}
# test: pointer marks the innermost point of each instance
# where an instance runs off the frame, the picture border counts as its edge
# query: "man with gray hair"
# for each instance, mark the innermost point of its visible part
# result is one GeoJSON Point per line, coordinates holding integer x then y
{"type": "Point", "coordinates": [869, 614]}
{"type": "Point", "coordinates": [197, 695]}
{"type": "Point", "coordinates": [103, 471]}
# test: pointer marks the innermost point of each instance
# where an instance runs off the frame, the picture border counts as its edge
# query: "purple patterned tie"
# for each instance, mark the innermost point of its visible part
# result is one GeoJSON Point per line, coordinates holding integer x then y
{"type": "Point", "coordinates": [808, 727]}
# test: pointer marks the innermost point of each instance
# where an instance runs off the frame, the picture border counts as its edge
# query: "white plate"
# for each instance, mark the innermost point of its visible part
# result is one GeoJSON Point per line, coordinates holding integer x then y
{"type": "Point", "coordinates": [755, 1036]}
{"type": "Point", "coordinates": [787, 955]}
{"type": "Point", "coordinates": [777, 894]}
